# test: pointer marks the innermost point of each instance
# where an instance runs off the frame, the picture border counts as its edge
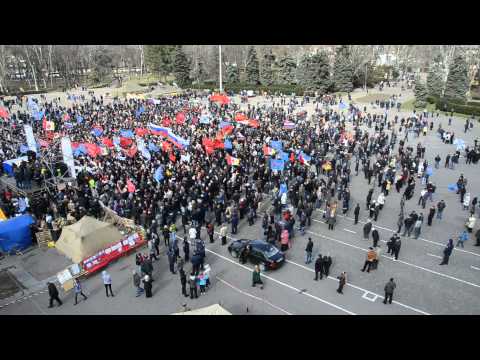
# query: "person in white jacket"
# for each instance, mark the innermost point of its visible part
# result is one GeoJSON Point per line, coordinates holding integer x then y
{"type": "Point", "coordinates": [381, 200]}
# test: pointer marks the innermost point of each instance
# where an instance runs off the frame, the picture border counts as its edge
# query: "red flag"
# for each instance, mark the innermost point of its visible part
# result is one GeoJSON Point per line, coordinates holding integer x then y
{"type": "Point", "coordinates": [254, 123]}
{"type": "Point", "coordinates": [44, 123]}
{"type": "Point", "coordinates": [172, 157]}
{"type": "Point", "coordinates": [267, 151]}
{"type": "Point", "coordinates": [208, 142]}
{"type": "Point", "coordinates": [132, 151]}
{"type": "Point", "coordinates": [3, 113]}
{"type": "Point", "coordinates": [166, 121]}
{"type": "Point", "coordinates": [141, 131]}
{"type": "Point", "coordinates": [130, 186]}
{"type": "Point", "coordinates": [227, 130]}
{"type": "Point", "coordinates": [240, 117]}
{"type": "Point", "coordinates": [125, 142]}
{"type": "Point", "coordinates": [107, 142]}
{"type": "Point", "coordinates": [194, 120]}
{"type": "Point", "coordinates": [180, 118]}
{"type": "Point", "coordinates": [222, 99]}
{"type": "Point", "coordinates": [218, 144]}
{"type": "Point", "coordinates": [66, 117]}
{"type": "Point", "coordinates": [166, 146]}
{"type": "Point", "coordinates": [92, 149]}
{"type": "Point", "coordinates": [292, 157]}
{"type": "Point", "coordinates": [209, 150]}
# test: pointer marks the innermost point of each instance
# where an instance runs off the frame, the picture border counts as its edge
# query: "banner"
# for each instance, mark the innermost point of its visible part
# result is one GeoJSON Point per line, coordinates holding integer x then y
{"type": "Point", "coordinates": [32, 144]}
{"type": "Point", "coordinates": [68, 155]}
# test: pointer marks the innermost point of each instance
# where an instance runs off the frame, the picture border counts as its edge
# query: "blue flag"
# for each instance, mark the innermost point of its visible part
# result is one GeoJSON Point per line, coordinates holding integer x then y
{"type": "Point", "coordinates": [146, 154]}
{"type": "Point", "coordinates": [97, 131]}
{"type": "Point", "coordinates": [452, 187]}
{"type": "Point", "coordinates": [126, 133]}
{"type": "Point", "coordinates": [429, 171]}
{"type": "Point", "coordinates": [277, 164]}
{"type": "Point", "coordinates": [224, 124]}
{"type": "Point", "coordinates": [283, 188]}
{"type": "Point", "coordinates": [38, 115]}
{"type": "Point", "coordinates": [80, 150]}
{"type": "Point", "coordinates": [158, 174]}
{"type": "Point", "coordinates": [284, 156]}
{"type": "Point", "coordinates": [227, 144]}
{"type": "Point", "coordinates": [153, 147]}
{"type": "Point", "coordinates": [23, 149]}
{"type": "Point", "coordinates": [277, 145]}
{"type": "Point", "coordinates": [79, 119]}
{"type": "Point", "coordinates": [342, 106]}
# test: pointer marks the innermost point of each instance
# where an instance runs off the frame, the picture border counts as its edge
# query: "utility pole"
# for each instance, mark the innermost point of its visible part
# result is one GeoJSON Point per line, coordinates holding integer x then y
{"type": "Point", "coordinates": [366, 70]}
{"type": "Point", "coordinates": [220, 66]}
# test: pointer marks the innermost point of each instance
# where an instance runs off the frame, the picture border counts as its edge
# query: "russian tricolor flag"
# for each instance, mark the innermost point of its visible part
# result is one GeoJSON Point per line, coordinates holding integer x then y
{"type": "Point", "coordinates": [288, 125]}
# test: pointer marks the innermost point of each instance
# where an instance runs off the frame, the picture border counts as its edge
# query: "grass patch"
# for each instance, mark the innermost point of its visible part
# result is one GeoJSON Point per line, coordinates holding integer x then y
{"type": "Point", "coordinates": [373, 97]}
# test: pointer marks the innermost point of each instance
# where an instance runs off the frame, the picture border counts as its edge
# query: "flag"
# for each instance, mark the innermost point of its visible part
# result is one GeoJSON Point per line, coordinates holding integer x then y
{"type": "Point", "coordinates": [180, 118]}
{"type": "Point", "coordinates": [221, 99]}
{"type": "Point", "coordinates": [24, 149]}
{"type": "Point", "coordinates": [166, 121]}
{"type": "Point", "coordinates": [288, 125]}
{"type": "Point", "coordinates": [126, 134]}
{"type": "Point", "coordinates": [429, 171]}
{"type": "Point", "coordinates": [153, 147]}
{"type": "Point", "coordinates": [218, 144]}
{"type": "Point", "coordinates": [79, 118]}
{"type": "Point", "coordinates": [141, 131]}
{"type": "Point", "coordinates": [224, 124]}
{"type": "Point", "coordinates": [146, 154]}
{"type": "Point", "coordinates": [80, 150]}
{"type": "Point", "coordinates": [267, 151]}
{"type": "Point", "coordinates": [97, 131]}
{"type": "Point", "coordinates": [130, 186]}
{"type": "Point", "coordinates": [254, 123]}
{"type": "Point", "coordinates": [227, 130]}
{"type": "Point", "coordinates": [194, 120]}
{"type": "Point", "coordinates": [92, 150]}
{"type": "Point", "coordinates": [452, 187]}
{"type": "Point", "coordinates": [125, 142]}
{"type": "Point", "coordinates": [240, 117]}
{"type": "Point", "coordinates": [342, 106]}
{"type": "Point", "coordinates": [172, 157]}
{"type": "Point", "coordinates": [283, 155]}
{"type": "Point", "coordinates": [232, 161]}
{"type": "Point", "coordinates": [66, 117]}
{"type": "Point", "coordinates": [38, 115]}
{"type": "Point", "coordinates": [68, 125]}
{"type": "Point", "coordinates": [277, 165]}
{"type": "Point", "coordinates": [131, 152]}
{"type": "Point", "coordinates": [292, 157]}
{"type": "Point", "coordinates": [304, 158]}
{"type": "Point", "coordinates": [107, 142]}
{"type": "Point", "coordinates": [185, 158]}
{"type": "Point", "coordinates": [158, 176]}
{"type": "Point", "coordinates": [277, 145]}
{"type": "Point", "coordinates": [166, 146]}
{"type": "Point", "coordinates": [227, 144]}
{"type": "Point", "coordinates": [283, 188]}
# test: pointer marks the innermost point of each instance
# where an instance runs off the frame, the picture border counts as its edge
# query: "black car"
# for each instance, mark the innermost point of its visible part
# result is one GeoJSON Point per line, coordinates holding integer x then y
{"type": "Point", "coordinates": [261, 252]}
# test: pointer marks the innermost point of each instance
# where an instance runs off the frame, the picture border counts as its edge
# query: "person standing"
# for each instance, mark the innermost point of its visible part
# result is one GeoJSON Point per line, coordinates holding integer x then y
{"type": "Point", "coordinates": [477, 236]}
{"type": "Point", "coordinates": [431, 214]}
{"type": "Point", "coordinates": [389, 288]}
{"type": "Point", "coordinates": [327, 262]}
{"type": "Point", "coordinates": [223, 233]}
{"type": "Point", "coordinates": [234, 222]}
{"type": "Point", "coordinates": [53, 293]}
{"type": "Point", "coordinates": [447, 252]}
{"type": "Point", "coordinates": [136, 283]}
{"type": "Point", "coordinates": [171, 260]}
{"type": "Point", "coordinates": [107, 282]}
{"type": "Point", "coordinates": [318, 267]}
{"type": "Point", "coordinates": [308, 251]}
{"type": "Point", "coordinates": [462, 238]}
{"type": "Point", "coordinates": [183, 281]}
{"type": "Point", "coordinates": [256, 277]}
{"type": "Point", "coordinates": [396, 248]}
{"type": "Point", "coordinates": [400, 221]}
{"type": "Point", "coordinates": [470, 224]}
{"type": "Point", "coordinates": [375, 237]}
{"type": "Point", "coordinates": [186, 250]}
{"type": "Point", "coordinates": [147, 285]}
{"type": "Point", "coordinates": [356, 213]}
{"type": "Point", "coordinates": [210, 232]}
{"type": "Point", "coordinates": [371, 255]}
{"type": "Point", "coordinates": [78, 290]}
{"type": "Point", "coordinates": [342, 280]}
{"type": "Point", "coordinates": [418, 226]}
{"type": "Point", "coordinates": [192, 282]}
{"type": "Point", "coordinates": [440, 207]}
{"type": "Point", "coordinates": [367, 228]}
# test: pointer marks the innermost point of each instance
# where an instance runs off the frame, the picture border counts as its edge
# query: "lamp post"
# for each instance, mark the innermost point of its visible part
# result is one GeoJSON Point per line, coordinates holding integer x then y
{"type": "Point", "coordinates": [220, 66]}
{"type": "Point", "coordinates": [366, 71]}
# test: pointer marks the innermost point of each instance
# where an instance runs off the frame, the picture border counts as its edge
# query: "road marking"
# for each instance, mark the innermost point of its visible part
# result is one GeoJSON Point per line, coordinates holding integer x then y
{"type": "Point", "coordinates": [253, 296]}
{"type": "Point", "coordinates": [280, 282]}
{"type": "Point", "coordinates": [401, 261]}
{"type": "Point", "coordinates": [350, 231]}
{"type": "Point", "coordinates": [420, 238]}
{"type": "Point", "coordinates": [437, 256]}
{"type": "Point", "coordinates": [365, 296]}
{"type": "Point", "coordinates": [474, 267]}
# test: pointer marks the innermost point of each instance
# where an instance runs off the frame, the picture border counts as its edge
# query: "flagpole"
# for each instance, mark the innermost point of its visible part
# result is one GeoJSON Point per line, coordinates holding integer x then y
{"type": "Point", "coordinates": [220, 66]}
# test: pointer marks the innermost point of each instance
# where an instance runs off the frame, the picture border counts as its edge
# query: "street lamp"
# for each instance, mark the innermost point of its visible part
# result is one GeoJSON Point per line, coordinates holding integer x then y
{"type": "Point", "coordinates": [220, 66]}
{"type": "Point", "coordinates": [366, 71]}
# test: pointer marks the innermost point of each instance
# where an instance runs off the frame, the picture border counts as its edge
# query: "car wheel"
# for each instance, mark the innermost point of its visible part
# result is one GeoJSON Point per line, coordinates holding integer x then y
{"type": "Point", "coordinates": [234, 253]}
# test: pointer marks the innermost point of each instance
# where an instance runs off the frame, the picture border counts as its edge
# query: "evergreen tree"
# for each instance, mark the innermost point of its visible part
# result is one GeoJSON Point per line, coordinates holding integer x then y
{"type": "Point", "coordinates": [420, 93]}
{"type": "Point", "coordinates": [181, 68]}
{"type": "Point", "coordinates": [233, 74]}
{"type": "Point", "coordinates": [314, 72]}
{"type": "Point", "coordinates": [267, 68]}
{"type": "Point", "coordinates": [253, 75]}
{"type": "Point", "coordinates": [287, 68]}
{"type": "Point", "coordinates": [343, 70]}
{"type": "Point", "coordinates": [200, 73]}
{"type": "Point", "coordinates": [435, 78]}
{"type": "Point", "coordinates": [102, 64]}
{"type": "Point", "coordinates": [457, 84]}
{"type": "Point", "coordinates": [159, 58]}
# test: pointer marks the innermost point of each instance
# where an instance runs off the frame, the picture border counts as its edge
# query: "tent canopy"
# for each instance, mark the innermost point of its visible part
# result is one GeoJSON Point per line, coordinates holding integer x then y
{"type": "Point", "coordinates": [86, 237]}
{"type": "Point", "coordinates": [209, 310]}
{"type": "Point", "coordinates": [15, 233]}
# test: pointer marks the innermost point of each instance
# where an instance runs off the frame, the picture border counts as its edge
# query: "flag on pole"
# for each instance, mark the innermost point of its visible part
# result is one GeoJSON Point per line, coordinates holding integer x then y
{"type": "Point", "coordinates": [232, 161]}
{"type": "Point", "coordinates": [277, 165]}
{"type": "Point", "coordinates": [227, 144]}
{"type": "Point", "coordinates": [158, 176]}
{"type": "Point", "coordinates": [277, 145]}
{"type": "Point", "coordinates": [130, 186]}
{"type": "Point", "coordinates": [283, 188]}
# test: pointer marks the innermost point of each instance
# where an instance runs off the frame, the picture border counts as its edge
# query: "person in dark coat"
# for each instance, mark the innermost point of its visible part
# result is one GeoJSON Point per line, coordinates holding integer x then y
{"type": "Point", "coordinates": [308, 251]}
{"type": "Point", "coordinates": [327, 262]}
{"type": "Point", "coordinates": [366, 229]}
{"type": "Point", "coordinates": [192, 282]}
{"type": "Point", "coordinates": [477, 236]}
{"type": "Point", "coordinates": [447, 252]}
{"type": "Point", "coordinates": [356, 213]}
{"type": "Point", "coordinates": [183, 281]}
{"type": "Point", "coordinates": [396, 248]}
{"type": "Point", "coordinates": [147, 285]}
{"type": "Point", "coordinates": [375, 237]}
{"type": "Point", "coordinates": [53, 292]}
{"type": "Point", "coordinates": [342, 280]}
{"type": "Point", "coordinates": [186, 249]}
{"type": "Point", "coordinates": [319, 267]}
{"type": "Point", "coordinates": [431, 214]}
{"type": "Point", "coordinates": [389, 287]}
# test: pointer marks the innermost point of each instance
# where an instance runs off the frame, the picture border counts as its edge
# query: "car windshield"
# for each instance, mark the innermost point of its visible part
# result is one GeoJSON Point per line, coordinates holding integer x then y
{"type": "Point", "coordinates": [271, 251]}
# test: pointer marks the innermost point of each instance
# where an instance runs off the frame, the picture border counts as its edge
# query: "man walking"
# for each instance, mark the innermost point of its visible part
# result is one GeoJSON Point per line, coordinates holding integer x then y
{"type": "Point", "coordinates": [53, 292]}
{"type": "Point", "coordinates": [308, 251]}
{"type": "Point", "coordinates": [319, 267]}
{"type": "Point", "coordinates": [396, 248]}
{"type": "Point", "coordinates": [375, 237]}
{"type": "Point", "coordinates": [356, 213]}
{"type": "Point", "coordinates": [78, 290]}
{"type": "Point", "coordinates": [136, 283]}
{"type": "Point", "coordinates": [342, 280]}
{"type": "Point", "coordinates": [366, 229]}
{"type": "Point", "coordinates": [389, 287]}
{"type": "Point", "coordinates": [447, 252]}
{"type": "Point", "coordinates": [440, 207]}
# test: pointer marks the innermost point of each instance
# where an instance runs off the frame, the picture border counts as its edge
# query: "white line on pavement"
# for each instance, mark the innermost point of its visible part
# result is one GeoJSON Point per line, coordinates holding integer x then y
{"type": "Point", "coordinates": [350, 231]}
{"type": "Point", "coordinates": [401, 261]}
{"type": "Point", "coordinates": [253, 296]}
{"type": "Point", "coordinates": [437, 256]}
{"type": "Point", "coordinates": [281, 283]}
{"type": "Point", "coordinates": [474, 267]}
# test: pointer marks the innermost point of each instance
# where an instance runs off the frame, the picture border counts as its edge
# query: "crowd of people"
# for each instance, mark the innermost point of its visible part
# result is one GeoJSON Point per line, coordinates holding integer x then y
{"type": "Point", "coordinates": [221, 170]}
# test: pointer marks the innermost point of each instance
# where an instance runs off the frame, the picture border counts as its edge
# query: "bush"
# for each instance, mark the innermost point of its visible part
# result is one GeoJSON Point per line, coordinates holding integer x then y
{"type": "Point", "coordinates": [458, 108]}
{"type": "Point", "coordinates": [236, 88]}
